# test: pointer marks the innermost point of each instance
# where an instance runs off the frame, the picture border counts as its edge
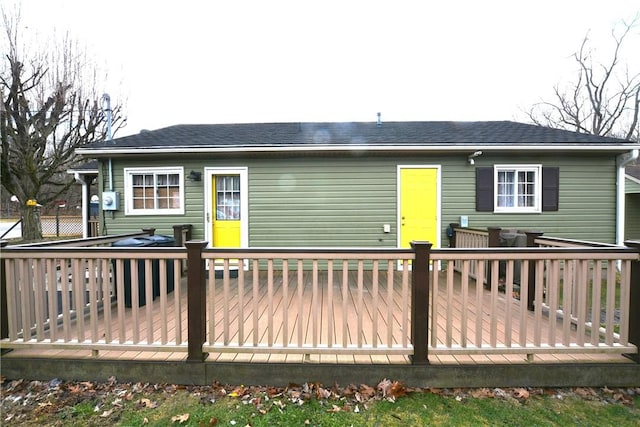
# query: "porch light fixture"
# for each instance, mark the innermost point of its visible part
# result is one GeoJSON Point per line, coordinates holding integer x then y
{"type": "Point", "coordinates": [472, 156]}
{"type": "Point", "coordinates": [195, 176]}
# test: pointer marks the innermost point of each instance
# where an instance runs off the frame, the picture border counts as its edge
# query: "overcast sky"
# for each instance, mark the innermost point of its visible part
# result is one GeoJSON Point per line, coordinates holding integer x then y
{"type": "Point", "coordinates": [286, 61]}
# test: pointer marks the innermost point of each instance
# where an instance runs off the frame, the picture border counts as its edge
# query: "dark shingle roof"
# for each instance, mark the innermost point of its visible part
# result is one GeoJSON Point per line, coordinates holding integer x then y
{"type": "Point", "coordinates": [351, 133]}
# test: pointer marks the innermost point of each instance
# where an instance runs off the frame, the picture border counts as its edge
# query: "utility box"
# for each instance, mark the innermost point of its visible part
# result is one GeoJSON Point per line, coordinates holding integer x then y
{"type": "Point", "coordinates": [110, 200]}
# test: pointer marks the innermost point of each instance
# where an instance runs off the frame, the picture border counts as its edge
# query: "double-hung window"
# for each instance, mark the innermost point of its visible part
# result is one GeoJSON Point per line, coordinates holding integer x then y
{"type": "Point", "coordinates": [154, 191]}
{"type": "Point", "coordinates": [517, 188]}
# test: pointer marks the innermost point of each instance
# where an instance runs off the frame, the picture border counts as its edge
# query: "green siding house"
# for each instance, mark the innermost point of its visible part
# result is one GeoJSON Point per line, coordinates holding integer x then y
{"type": "Point", "coordinates": [361, 184]}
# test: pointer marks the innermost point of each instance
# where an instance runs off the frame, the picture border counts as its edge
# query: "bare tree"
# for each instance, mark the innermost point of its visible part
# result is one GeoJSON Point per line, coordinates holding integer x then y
{"type": "Point", "coordinates": [49, 108]}
{"type": "Point", "coordinates": [604, 99]}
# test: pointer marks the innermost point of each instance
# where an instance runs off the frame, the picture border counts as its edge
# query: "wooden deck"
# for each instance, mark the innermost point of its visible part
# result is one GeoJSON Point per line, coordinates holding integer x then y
{"type": "Point", "coordinates": [336, 307]}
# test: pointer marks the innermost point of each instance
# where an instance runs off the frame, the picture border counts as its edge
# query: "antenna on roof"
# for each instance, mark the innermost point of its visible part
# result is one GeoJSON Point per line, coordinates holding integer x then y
{"type": "Point", "coordinates": [379, 124]}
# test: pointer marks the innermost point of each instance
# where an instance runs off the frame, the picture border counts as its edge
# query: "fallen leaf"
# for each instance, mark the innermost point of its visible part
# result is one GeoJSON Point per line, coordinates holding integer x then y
{"type": "Point", "coordinates": [146, 403]}
{"type": "Point", "coordinates": [481, 393]}
{"type": "Point", "coordinates": [384, 386]}
{"type": "Point", "coordinates": [322, 393]}
{"type": "Point", "coordinates": [367, 392]}
{"type": "Point", "coordinates": [183, 418]}
{"type": "Point", "coordinates": [397, 389]}
{"type": "Point", "coordinates": [106, 414]}
{"type": "Point", "coordinates": [585, 392]}
{"type": "Point", "coordinates": [521, 393]}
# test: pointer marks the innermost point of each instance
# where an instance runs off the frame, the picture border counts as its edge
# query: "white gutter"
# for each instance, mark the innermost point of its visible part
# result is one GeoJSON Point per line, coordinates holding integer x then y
{"type": "Point", "coordinates": [347, 148]}
{"type": "Point", "coordinates": [621, 161]}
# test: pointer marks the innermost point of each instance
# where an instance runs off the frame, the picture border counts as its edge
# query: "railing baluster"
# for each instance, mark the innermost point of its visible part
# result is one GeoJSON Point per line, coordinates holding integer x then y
{"type": "Point", "coordinates": [464, 303]}
{"type": "Point", "coordinates": [360, 309]}
{"type": "Point", "coordinates": [226, 298]}
{"type": "Point", "coordinates": [539, 288]}
{"type": "Point", "coordinates": [39, 297]}
{"type": "Point", "coordinates": [177, 296]}
{"type": "Point", "coordinates": [255, 303]}
{"type": "Point", "coordinates": [119, 266]}
{"type": "Point", "coordinates": [52, 290]}
{"type": "Point", "coordinates": [582, 284]}
{"type": "Point", "coordinates": [345, 297]}
{"type": "Point", "coordinates": [164, 285]}
{"type": "Point", "coordinates": [495, 273]}
{"type": "Point", "coordinates": [374, 309]}
{"type": "Point", "coordinates": [567, 301]}
{"type": "Point", "coordinates": [434, 301]}
{"type": "Point", "coordinates": [625, 283]}
{"type": "Point", "coordinates": [611, 302]}
{"type": "Point", "coordinates": [93, 300]}
{"type": "Point", "coordinates": [449, 315]}
{"type": "Point", "coordinates": [479, 305]}
{"type": "Point", "coordinates": [285, 303]}
{"type": "Point", "coordinates": [106, 282]}
{"type": "Point", "coordinates": [314, 304]}
{"type": "Point", "coordinates": [212, 302]}
{"type": "Point", "coordinates": [552, 298]}
{"type": "Point", "coordinates": [65, 295]}
{"type": "Point", "coordinates": [270, 302]}
{"type": "Point", "coordinates": [596, 303]}
{"type": "Point", "coordinates": [390, 302]}
{"type": "Point", "coordinates": [148, 290]}
{"type": "Point", "coordinates": [508, 297]}
{"type": "Point", "coordinates": [301, 323]}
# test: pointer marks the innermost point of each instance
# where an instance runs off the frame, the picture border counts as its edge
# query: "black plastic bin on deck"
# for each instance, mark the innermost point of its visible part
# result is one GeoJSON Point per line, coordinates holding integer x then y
{"type": "Point", "coordinates": [135, 242]}
{"type": "Point", "coordinates": [161, 240]}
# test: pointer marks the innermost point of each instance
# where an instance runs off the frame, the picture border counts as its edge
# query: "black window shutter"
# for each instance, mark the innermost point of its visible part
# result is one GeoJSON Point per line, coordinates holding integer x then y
{"type": "Point", "coordinates": [484, 189]}
{"type": "Point", "coordinates": [550, 189]}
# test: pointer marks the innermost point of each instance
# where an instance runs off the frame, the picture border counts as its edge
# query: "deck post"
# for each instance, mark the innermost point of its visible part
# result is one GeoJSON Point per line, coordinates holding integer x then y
{"type": "Point", "coordinates": [634, 302]}
{"type": "Point", "coordinates": [182, 233]}
{"type": "Point", "coordinates": [420, 302]}
{"type": "Point", "coordinates": [196, 301]}
{"type": "Point", "coordinates": [531, 290]}
{"type": "Point", "coordinates": [4, 316]}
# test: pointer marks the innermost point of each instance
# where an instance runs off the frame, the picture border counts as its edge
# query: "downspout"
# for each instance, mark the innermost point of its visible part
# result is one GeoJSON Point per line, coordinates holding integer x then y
{"type": "Point", "coordinates": [621, 161]}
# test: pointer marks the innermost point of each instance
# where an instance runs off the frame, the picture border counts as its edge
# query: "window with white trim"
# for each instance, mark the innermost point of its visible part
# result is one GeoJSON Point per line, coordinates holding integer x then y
{"type": "Point", "coordinates": [517, 188]}
{"type": "Point", "coordinates": [154, 191]}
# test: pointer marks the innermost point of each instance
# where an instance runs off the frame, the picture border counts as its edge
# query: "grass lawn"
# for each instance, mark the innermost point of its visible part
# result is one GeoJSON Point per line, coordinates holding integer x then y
{"type": "Point", "coordinates": [387, 404]}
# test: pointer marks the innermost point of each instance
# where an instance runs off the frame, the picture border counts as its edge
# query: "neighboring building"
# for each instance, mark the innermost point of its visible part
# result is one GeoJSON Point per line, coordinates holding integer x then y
{"type": "Point", "coordinates": [360, 184]}
{"type": "Point", "coordinates": [632, 204]}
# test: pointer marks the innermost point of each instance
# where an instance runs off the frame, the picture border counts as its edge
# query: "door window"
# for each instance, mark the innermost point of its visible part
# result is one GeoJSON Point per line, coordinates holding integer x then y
{"type": "Point", "coordinates": [228, 197]}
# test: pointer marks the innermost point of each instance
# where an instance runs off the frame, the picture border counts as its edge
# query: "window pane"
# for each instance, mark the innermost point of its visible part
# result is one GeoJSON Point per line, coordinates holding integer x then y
{"type": "Point", "coordinates": [228, 197]}
{"type": "Point", "coordinates": [506, 189]}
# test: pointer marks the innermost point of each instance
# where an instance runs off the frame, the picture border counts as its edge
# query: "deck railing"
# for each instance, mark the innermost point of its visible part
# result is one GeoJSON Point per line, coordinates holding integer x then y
{"type": "Point", "coordinates": [584, 280]}
{"type": "Point", "coordinates": [338, 301]}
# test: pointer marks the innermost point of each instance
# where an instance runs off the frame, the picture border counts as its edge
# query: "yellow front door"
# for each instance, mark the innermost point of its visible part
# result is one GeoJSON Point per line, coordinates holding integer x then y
{"type": "Point", "coordinates": [226, 228]}
{"type": "Point", "coordinates": [418, 205]}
